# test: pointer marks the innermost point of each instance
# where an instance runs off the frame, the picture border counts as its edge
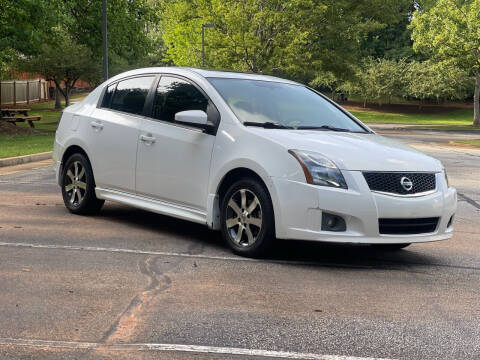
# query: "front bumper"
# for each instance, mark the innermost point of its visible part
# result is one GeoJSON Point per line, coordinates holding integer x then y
{"type": "Point", "coordinates": [299, 207]}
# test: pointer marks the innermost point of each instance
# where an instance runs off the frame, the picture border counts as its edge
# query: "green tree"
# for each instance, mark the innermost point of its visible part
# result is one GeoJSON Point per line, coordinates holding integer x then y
{"type": "Point", "coordinates": [134, 37]}
{"type": "Point", "coordinates": [131, 30]}
{"type": "Point", "coordinates": [327, 80]}
{"type": "Point", "coordinates": [437, 81]}
{"type": "Point", "coordinates": [378, 80]}
{"type": "Point", "coordinates": [450, 31]}
{"type": "Point", "coordinates": [249, 35]}
{"type": "Point", "coordinates": [294, 38]}
{"type": "Point", "coordinates": [62, 61]}
{"type": "Point", "coordinates": [24, 25]}
{"type": "Point", "coordinates": [393, 40]}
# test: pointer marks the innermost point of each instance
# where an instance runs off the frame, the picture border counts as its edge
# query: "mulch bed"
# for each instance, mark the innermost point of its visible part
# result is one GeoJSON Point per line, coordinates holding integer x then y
{"type": "Point", "coordinates": [11, 129]}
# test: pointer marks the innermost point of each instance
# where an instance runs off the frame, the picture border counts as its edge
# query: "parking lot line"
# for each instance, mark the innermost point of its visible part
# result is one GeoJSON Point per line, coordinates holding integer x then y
{"type": "Point", "coordinates": [224, 258]}
{"type": "Point", "coordinates": [173, 254]}
{"type": "Point", "coordinates": [199, 349]}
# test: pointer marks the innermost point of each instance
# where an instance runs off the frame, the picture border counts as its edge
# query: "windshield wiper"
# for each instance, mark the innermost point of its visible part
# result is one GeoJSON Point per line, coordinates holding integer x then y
{"type": "Point", "coordinates": [267, 125]}
{"type": "Point", "coordinates": [323, 127]}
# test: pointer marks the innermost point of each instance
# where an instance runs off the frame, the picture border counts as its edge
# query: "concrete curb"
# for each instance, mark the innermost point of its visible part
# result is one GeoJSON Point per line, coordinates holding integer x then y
{"type": "Point", "coordinates": [17, 160]}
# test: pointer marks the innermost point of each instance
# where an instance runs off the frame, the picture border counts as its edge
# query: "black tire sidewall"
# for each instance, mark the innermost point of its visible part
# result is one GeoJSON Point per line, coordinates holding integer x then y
{"type": "Point", "coordinates": [89, 203]}
{"type": "Point", "coordinates": [267, 232]}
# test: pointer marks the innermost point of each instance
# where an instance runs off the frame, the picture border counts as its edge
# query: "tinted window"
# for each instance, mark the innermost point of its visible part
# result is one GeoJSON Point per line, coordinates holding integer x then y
{"type": "Point", "coordinates": [130, 94]}
{"type": "Point", "coordinates": [108, 95]}
{"type": "Point", "coordinates": [174, 95]}
{"type": "Point", "coordinates": [287, 104]}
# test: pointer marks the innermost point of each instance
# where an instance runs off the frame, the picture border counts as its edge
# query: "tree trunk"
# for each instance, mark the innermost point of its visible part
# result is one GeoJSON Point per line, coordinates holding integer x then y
{"type": "Point", "coordinates": [58, 98]}
{"type": "Point", "coordinates": [476, 105]}
{"type": "Point", "coordinates": [67, 96]}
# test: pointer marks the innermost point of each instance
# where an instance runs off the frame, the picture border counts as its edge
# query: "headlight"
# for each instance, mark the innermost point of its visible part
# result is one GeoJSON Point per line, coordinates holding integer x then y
{"type": "Point", "coordinates": [319, 170]}
{"type": "Point", "coordinates": [446, 177]}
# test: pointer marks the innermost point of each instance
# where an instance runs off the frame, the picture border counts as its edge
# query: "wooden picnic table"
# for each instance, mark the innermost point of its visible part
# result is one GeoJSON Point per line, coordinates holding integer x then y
{"type": "Point", "coordinates": [10, 115]}
{"type": "Point", "coordinates": [12, 112]}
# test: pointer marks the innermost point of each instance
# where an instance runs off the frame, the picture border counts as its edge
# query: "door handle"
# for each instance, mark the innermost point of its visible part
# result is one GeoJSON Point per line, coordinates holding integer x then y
{"type": "Point", "coordinates": [147, 139]}
{"type": "Point", "coordinates": [96, 125]}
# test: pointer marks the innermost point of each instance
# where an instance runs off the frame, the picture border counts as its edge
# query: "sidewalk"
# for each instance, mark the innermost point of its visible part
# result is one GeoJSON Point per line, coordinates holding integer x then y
{"type": "Point", "coordinates": [17, 160]}
{"type": "Point", "coordinates": [7, 170]}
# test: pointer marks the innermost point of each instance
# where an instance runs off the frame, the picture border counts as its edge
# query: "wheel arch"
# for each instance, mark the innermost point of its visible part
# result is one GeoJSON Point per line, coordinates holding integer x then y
{"type": "Point", "coordinates": [69, 151]}
{"type": "Point", "coordinates": [226, 181]}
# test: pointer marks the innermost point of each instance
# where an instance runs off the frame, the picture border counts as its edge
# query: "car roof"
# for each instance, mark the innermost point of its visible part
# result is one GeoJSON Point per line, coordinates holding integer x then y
{"type": "Point", "coordinates": [204, 73]}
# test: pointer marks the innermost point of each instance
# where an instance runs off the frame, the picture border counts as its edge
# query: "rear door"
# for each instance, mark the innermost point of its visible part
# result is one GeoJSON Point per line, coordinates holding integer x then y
{"type": "Point", "coordinates": [113, 132]}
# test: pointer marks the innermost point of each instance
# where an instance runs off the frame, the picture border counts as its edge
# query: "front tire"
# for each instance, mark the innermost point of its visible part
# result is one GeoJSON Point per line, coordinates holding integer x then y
{"type": "Point", "coordinates": [247, 218]}
{"type": "Point", "coordinates": [78, 186]}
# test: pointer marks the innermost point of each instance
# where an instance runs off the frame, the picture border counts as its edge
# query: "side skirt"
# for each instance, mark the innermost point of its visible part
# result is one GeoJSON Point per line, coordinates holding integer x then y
{"type": "Point", "coordinates": [149, 204]}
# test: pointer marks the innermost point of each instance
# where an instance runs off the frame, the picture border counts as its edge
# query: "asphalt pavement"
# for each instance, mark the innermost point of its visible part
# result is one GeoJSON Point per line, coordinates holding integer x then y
{"type": "Point", "coordinates": [128, 284]}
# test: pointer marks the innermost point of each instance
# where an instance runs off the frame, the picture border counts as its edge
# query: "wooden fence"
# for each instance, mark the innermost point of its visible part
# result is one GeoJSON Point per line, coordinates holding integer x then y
{"type": "Point", "coordinates": [23, 91]}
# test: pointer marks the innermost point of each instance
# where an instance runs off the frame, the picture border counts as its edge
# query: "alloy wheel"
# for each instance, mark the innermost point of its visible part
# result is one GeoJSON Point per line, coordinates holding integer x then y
{"type": "Point", "coordinates": [75, 183]}
{"type": "Point", "coordinates": [244, 217]}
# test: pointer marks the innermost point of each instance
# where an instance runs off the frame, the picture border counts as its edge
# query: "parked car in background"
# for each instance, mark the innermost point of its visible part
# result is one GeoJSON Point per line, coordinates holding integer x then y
{"type": "Point", "coordinates": [256, 157]}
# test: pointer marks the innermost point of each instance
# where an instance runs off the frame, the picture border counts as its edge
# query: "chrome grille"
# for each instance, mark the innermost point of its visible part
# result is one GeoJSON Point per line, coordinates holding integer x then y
{"type": "Point", "coordinates": [391, 182]}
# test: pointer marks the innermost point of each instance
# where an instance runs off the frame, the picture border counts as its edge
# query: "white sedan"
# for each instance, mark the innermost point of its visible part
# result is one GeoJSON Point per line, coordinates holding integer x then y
{"type": "Point", "coordinates": [254, 156]}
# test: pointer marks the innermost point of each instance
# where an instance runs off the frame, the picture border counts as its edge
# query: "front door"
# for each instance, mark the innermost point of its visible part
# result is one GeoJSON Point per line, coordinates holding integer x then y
{"type": "Point", "coordinates": [173, 160]}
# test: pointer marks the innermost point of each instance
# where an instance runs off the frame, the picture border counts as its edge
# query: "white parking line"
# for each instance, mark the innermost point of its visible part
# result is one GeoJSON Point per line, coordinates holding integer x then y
{"type": "Point", "coordinates": [178, 348]}
{"type": "Point", "coordinates": [175, 254]}
{"type": "Point", "coordinates": [127, 251]}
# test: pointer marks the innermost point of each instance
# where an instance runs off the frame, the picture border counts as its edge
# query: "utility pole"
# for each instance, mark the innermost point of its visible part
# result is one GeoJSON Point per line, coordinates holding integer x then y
{"type": "Point", "coordinates": [105, 44]}
{"type": "Point", "coordinates": [203, 41]}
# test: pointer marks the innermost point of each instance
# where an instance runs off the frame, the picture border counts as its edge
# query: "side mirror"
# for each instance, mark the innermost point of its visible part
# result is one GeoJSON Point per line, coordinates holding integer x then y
{"type": "Point", "coordinates": [192, 117]}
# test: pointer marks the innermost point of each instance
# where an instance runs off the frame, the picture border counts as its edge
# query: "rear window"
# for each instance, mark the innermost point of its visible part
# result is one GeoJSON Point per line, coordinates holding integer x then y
{"type": "Point", "coordinates": [108, 95]}
{"type": "Point", "coordinates": [129, 95]}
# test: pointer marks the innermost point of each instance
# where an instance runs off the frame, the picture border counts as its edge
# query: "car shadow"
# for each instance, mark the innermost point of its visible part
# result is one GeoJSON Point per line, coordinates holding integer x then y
{"type": "Point", "coordinates": [284, 251]}
{"type": "Point", "coordinates": [166, 225]}
{"type": "Point", "coordinates": [350, 255]}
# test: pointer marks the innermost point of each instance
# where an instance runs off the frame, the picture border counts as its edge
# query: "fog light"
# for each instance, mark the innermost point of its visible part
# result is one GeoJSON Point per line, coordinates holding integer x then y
{"type": "Point", "coordinates": [332, 222]}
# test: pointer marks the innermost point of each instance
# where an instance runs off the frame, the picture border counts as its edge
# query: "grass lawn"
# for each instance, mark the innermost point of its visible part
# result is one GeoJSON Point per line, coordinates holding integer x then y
{"type": "Point", "coordinates": [469, 142]}
{"type": "Point", "coordinates": [41, 141]}
{"type": "Point", "coordinates": [450, 120]}
{"type": "Point", "coordinates": [456, 117]}
{"type": "Point", "coordinates": [21, 144]}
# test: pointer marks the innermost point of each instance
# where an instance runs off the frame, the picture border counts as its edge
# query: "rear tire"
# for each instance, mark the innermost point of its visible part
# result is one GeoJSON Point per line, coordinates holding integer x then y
{"type": "Point", "coordinates": [247, 218]}
{"type": "Point", "coordinates": [78, 186]}
{"type": "Point", "coordinates": [390, 247]}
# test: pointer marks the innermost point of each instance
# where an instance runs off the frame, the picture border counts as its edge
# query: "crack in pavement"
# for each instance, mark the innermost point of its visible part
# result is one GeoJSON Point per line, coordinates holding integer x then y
{"type": "Point", "coordinates": [123, 329]}
{"type": "Point", "coordinates": [469, 200]}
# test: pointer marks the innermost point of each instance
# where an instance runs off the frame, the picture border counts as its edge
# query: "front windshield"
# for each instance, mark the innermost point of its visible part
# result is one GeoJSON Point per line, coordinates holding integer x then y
{"type": "Point", "coordinates": [289, 105]}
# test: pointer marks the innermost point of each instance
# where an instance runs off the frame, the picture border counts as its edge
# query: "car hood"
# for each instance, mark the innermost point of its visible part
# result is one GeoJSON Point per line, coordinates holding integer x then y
{"type": "Point", "coordinates": [354, 151]}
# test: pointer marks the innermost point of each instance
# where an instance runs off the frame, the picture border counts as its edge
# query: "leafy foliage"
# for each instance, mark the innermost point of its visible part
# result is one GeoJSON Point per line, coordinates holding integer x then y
{"type": "Point", "coordinates": [296, 38]}
{"type": "Point", "coordinates": [24, 25]}
{"type": "Point", "coordinates": [382, 80]}
{"type": "Point", "coordinates": [450, 31]}
{"type": "Point", "coordinates": [378, 80]}
{"type": "Point", "coordinates": [437, 81]}
{"type": "Point", "coordinates": [128, 24]}
{"type": "Point", "coordinates": [63, 61]}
